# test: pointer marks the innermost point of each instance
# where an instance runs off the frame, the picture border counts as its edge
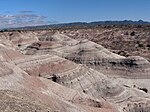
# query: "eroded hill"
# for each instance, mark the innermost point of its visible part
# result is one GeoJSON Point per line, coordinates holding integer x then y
{"type": "Point", "coordinates": [70, 70]}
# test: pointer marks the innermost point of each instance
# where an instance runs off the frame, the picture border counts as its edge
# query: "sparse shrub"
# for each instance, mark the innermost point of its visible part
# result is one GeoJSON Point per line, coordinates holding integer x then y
{"type": "Point", "coordinates": [126, 33]}
{"type": "Point", "coordinates": [132, 33]}
{"type": "Point", "coordinates": [141, 45]}
{"type": "Point", "coordinates": [54, 78]}
{"type": "Point", "coordinates": [148, 45]}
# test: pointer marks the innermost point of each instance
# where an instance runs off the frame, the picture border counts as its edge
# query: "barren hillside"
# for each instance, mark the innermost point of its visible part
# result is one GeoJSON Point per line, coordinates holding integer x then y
{"type": "Point", "coordinates": [75, 70]}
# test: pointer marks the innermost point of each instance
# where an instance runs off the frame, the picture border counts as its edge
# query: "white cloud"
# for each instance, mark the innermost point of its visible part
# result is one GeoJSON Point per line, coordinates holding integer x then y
{"type": "Point", "coordinates": [21, 20]}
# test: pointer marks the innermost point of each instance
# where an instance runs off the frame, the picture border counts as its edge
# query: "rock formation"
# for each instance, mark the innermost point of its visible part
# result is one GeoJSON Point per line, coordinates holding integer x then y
{"type": "Point", "coordinates": [47, 71]}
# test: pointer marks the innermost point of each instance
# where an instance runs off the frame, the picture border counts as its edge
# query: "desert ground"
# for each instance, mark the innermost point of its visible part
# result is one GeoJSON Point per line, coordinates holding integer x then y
{"type": "Point", "coordinates": [100, 69]}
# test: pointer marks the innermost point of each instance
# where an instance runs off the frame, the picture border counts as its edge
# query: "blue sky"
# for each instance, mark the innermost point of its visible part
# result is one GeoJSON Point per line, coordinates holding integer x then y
{"type": "Point", "coordinates": [60, 11]}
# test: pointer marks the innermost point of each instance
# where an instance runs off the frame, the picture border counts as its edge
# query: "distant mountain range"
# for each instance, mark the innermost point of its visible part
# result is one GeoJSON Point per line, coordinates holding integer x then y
{"type": "Point", "coordinates": [125, 22]}
{"type": "Point", "coordinates": [82, 24]}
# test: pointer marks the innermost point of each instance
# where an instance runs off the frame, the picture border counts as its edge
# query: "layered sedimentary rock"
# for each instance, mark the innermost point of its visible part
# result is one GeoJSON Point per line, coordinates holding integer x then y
{"type": "Point", "coordinates": [39, 94]}
{"type": "Point", "coordinates": [63, 74]}
{"type": "Point", "coordinates": [93, 55]}
{"type": "Point", "coordinates": [26, 90]}
{"type": "Point", "coordinates": [123, 40]}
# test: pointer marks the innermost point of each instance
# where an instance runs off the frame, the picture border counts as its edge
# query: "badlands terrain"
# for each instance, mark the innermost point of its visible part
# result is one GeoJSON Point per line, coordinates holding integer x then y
{"type": "Point", "coordinates": [100, 69]}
